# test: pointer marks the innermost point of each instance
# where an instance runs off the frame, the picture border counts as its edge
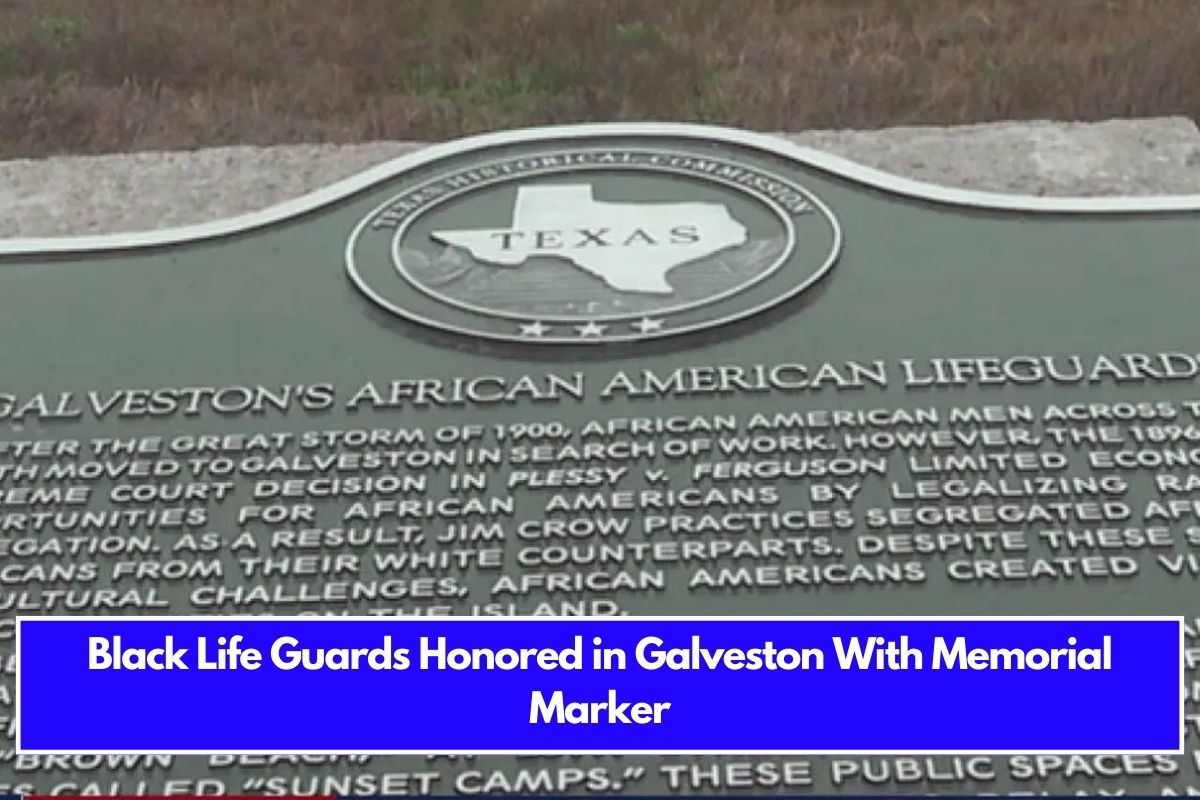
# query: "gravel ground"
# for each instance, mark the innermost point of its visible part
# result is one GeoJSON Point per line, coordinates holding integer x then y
{"type": "Point", "coordinates": [143, 191]}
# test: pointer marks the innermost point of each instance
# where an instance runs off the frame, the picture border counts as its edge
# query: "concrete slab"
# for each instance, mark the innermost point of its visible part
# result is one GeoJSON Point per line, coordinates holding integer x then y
{"type": "Point", "coordinates": [142, 191]}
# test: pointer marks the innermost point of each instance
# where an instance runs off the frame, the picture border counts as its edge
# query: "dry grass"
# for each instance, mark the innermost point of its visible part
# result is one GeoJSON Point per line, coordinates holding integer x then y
{"type": "Point", "coordinates": [108, 75]}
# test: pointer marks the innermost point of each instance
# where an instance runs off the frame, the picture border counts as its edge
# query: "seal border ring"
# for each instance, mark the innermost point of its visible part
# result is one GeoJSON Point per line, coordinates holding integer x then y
{"type": "Point", "coordinates": [578, 133]}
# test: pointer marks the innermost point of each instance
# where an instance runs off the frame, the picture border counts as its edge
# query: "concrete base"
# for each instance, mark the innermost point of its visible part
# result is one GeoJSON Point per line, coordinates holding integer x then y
{"type": "Point", "coordinates": [144, 191]}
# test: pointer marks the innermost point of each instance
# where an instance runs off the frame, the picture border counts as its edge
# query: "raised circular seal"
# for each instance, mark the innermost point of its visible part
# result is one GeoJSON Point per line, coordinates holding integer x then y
{"type": "Point", "coordinates": [550, 238]}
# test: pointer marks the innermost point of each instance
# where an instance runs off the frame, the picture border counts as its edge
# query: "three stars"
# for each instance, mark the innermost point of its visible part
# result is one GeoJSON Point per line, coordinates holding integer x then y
{"type": "Point", "coordinates": [591, 330]}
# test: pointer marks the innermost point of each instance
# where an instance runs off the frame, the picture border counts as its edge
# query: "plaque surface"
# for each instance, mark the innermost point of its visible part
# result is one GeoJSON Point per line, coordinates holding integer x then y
{"type": "Point", "coordinates": [641, 369]}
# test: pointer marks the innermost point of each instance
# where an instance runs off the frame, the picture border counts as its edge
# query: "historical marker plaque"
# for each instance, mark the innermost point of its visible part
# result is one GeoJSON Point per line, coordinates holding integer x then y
{"type": "Point", "coordinates": [599, 370]}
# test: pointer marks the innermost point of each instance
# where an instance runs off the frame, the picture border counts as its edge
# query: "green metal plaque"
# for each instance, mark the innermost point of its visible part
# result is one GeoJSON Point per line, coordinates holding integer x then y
{"type": "Point", "coordinates": [609, 369]}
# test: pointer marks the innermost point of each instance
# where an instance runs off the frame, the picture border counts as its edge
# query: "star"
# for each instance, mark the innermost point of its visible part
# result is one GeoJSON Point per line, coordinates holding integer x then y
{"type": "Point", "coordinates": [591, 329]}
{"type": "Point", "coordinates": [535, 328]}
{"type": "Point", "coordinates": [647, 325]}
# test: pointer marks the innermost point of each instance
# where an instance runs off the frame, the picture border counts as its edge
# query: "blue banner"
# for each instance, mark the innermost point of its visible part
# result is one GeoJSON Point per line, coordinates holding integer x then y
{"type": "Point", "coordinates": [613, 685]}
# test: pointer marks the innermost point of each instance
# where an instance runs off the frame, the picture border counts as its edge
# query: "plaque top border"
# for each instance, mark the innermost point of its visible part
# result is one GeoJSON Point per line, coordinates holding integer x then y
{"type": "Point", "coordinates": [869, 177]}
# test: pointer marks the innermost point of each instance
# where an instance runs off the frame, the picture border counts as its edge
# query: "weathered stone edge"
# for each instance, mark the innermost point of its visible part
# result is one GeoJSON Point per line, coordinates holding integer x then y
{"type": "Point", "coordinates": [79, 195]}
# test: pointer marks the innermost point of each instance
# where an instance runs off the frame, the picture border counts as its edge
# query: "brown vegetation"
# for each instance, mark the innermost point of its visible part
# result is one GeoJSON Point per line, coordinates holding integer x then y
{"type": "Point", "coordinates": [105, 75]}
